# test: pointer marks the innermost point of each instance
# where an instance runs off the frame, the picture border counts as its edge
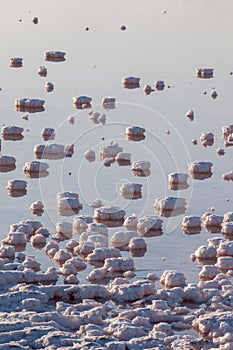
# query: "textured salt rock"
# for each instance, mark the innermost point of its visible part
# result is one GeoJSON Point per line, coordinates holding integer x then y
{"type": "Point", "coordinates": [171, 279]}
{"type": "Point", "coordinates": [54, 56]}
{"type": "Point", "coordinates": [15, 239]}
{"type": "Point", "coordinates": [13, 185]}
{"type": "Point", "coordinates": [191, 221]}
{"type": "Point", "coordinates": [227, 228]}
{"type": "Point", "coordinates": [148, 223]}
{"type": "Point", "coordinates": [94, 116]}
{"type": "Point", "coordinates": [130, 222]}
{"type": "Point", "coordinates": [51, 247]}
{"type": "Point", "coordinates": [7, 252]}
{"type": "Point", "coordinates": [71, 244]}
{"type": "Point", "coordinates": [108, 161]}
{"type": "Point", "coordinates": [108, 102]}
{"type": "Point", "coordinates": [225, 263]}
{"type": "Point", "coordinates": [122, 238]}
{"type": "Point", "coordinates": [22, 227]}
{"type": "Point", "coordinates": [54, 151]}
{"type": "Point", "coordinates": [119, 264]}
{"type": "Point", "coordinates": [38, 240]}
{"type": "Point", "coordinates": [16, 62]}
{"type": "Point", "coordinates": [72, 266]}
{"type": "Point", "coordinates": [7, 161]}
{"type": "Point", "coordinates": [169, 203]}
{"type": "Point", "coordinates": [134, 131]}
{"type": "Point", "coordinates": [206, 253]}
{"type": "Point", "coordinates": [109, 213]}
{"type": "Point", "coordinates": [141, 165]}
{"type": "Point", "coordinates": [99, 274]}
{"type": "Point", "coordinates": [123, 157]}
{"type": "Point", "coordinates": [35, 166]}
{"type": "Point", "coordinates": [201, 167]}
{"type": "Point", "coordinates": [29, 103]}
{"type": "Point", "coordinates": [137, 243]}
{"type": "Point", "coordinates": [220, 151]}
{"type": "Point", "coordinates": [97, 203]}
{"type": "Point", "coordinates": [204, 72]}
{"type": "Point", "coordinates": [68, 201]}
{"type": "Point", "coordinates": [190, 115]}
{"type": "Point", "coordinates": [42, 71]}
{"type": "Point", "coordinates": [31, 263]}
{"type": "Point", "coordinates": [100, 254]}
{"type": "Point", "coordinates": [177, 178]}
{"type": "Point", "coordinates": [35, 224]}
{"type": "Point", "coordinates": [159, 84]}
{"type": "Point", "coordinates": [131, 190]}
{"type": "Point", "coordinates": [84, 248]}
{"type": "Point", "coordinates": [48, 133]}
{"type": "Point", "coordinates": [80, 223]}
{"type": "Point", "coordinates": [11, 130]}
{"type": "Point", "coordinates": [228, 216]}
{"type": "Point", "coordinates": [228, 176]}
{"type": "Point", "coordinates": [127, 81]}
{"type": "Point", "coordinates": [110, 151]}
{"type": "Point", "coordinates": [64, 227]}
{"type": "Point", "coordinates": [212, 220]}
{"type": "Point", "coordinates": [99, 228]}
{"type": "Point", "coordinates": [90, 155]}
{"type": "Point", "coordinates": [61, 256]}
{"type": "Point", "coordinates": [37, 206]}
{"type": "Point", "coordinates": [207, 138]}
{"type": "Point", "coordinates": [213, 94]}
{"type": "Point", "coordinates": [49, 86]}
{"type": "Point", "coordinates": [225, 248]}
{"type": "Point", "coordinates": [82, 100]}
{"type": "Point", "coordinates": [208, 272]}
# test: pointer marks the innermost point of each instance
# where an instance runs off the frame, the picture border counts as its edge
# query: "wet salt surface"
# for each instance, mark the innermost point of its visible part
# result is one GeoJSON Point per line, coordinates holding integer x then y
{"type": "Point", "coordinates": [83, 73]}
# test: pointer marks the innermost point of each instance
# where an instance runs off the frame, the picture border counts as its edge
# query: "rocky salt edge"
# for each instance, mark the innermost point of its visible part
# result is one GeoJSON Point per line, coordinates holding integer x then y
{"type": "Point", "coordinates": [124, 313]}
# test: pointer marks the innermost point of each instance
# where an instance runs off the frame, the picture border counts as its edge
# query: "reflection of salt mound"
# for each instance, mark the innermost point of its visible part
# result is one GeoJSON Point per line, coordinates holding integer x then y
{"type": "Point", "coordinates": [131, 190]}
{"type": "Point", "coordinates": [149, 225]}
{"type": "Point", "coordinates": [7, 163]}
{"type": "Point", "coordinates": [55, 56]}
{"type": "Point", "coordinates": [204, 72]}
{"type": "Point", "coordinates": [110, 151]}
{"type": "Point", "coordinates": [207, 139]}
{"type": "Point", "coordinates": [109, 214]}
{"type": "Point", "coordinates": [29, 103]}
{"type": "Point", "coordinates": [53, 151]}
{"type": "Point", "coordinates": [82, 101]}
{"type": "Point", "coordinates": [16, 62]}
{"type": "Point", "coordinates": [48, 133]}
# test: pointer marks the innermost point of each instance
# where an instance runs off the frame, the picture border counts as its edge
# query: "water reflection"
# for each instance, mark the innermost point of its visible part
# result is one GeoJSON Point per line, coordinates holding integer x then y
{"type": "Point", "coordinates": [17, 193]}
{"type": "Point", "coordinates": [141, 173]}
{"type": "Point", "coordinates": [36, 174]}
{"type": "Point", "coordinates": [135, 137]}
{"type": "Point", "coordinates": [178, 186]}
{"type": "Point", "coordinates": [12, 137]}
{"type": "Point", "coordinates": [110, 223]}
{"type": "Point", "coordinates": [7, 168]}
{"type": "Point", "coordinates": [200, 176]}
{"type": "Point", "coordinates": [191, 230]}
{"type": "Point", "coordinates": [172, 212]}
{"type": "Point", "coordinates": [29, 109]}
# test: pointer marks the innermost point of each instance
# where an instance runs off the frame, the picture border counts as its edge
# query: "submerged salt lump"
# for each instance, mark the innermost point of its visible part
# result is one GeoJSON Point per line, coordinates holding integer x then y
{"type": "Point", "coordinates": [190, 115]}
{"type": "Point", "coordinates": [130, 81]}
{"type": "Point", "coordinates": [49, 86]}
{"type": "Point", "coordinates": [191, 221]}
{"type": "Point", "coordinates": [130, 188]}
{"type": "Point", "coordinates": [29, 103]}
{"type": "Point", "coordinates": [122, 238]}
{"type": "Point", "coordinates": [207, 138]}
{"type": "Point", "coordinates": [109, 213]}
{"type": "Point", "coordinates": [228, 176]}
{"type": "Point", "coordinates": [159, 84]}
{"type": "Point", "coordinates": [206, 253]}
{"type": "Point", "coordinates": [35, 166]}
{"type": "Point", "coordinates": [110, 151]}
{"type": "Point", "coordinates": [90, 155]}
{"type": "Point", "coordinates": [42, 71]}
{"type": "Point", "coordinates": [141, 165]}
{"type": "Point", "coordinates": [14, 185]}
{"type": "Point", "coordinates": [137, 243]}
{"type": "Point", "coordinates": [177, 178]}
{"type": "Point", "coordinates": [16, 62]}
{"type": "Point", "coordinates": [227, 228]}
{"type": "Point", "coordinates": [82, 100]}
{"type": "Point", "coordinates": [12, 130]}
{"type": "Point", "coordinates": [54, 55]}
{"type": "Point", "coordinates": [7, 160]}
{"type": "Point", "coordinates": [201, 167]}
{"type": "Point", "coordinates": [48, 133]}
{"type": "Point", "coordinates": [204, 72]}
{"type": "Point", "coordinates": [171, 279]}
{"type": "Point", "coordinates": [169, 203]}
{"type": "Point", "coordinates": [149, 223]}
{"type": "Point", "coordinates": [212, 219]}
{"type": "Point", "coordinates": [134, 131]}
{"type": "Point", "coordinates": [101, 254]}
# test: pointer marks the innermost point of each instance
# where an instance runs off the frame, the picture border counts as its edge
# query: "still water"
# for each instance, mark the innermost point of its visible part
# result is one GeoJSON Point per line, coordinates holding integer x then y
{"type": "Point", "coordinates": [163, 40]}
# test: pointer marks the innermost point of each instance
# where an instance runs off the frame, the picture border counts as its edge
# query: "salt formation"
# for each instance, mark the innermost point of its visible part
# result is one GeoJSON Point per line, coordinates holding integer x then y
{"type": "Point", "coordinates": [29, 103]}
{"type": "Point", "coordinates": [48, 133]}
{"type": "Point", "coordinates": [82, 101]}
{"type": "Point", "coordinates": [68, 203]}
{"type": "Point", "coordinates": [110, 215]}
{"type": "Point", "coordinates": [11, 130]}
{"type": "Point", "coordinates": [16, 62]}
{"type": "Point", "coordinates": [171, 279]}
{"type": "Point", "coordinates": [35, 20]}
{"type": "Point", "coordinates": [228, 176]}
{"type": "Point", "coordinates": [90, 155]}
{"type": "Point", "coordinates": [7, 163]}
{"type": "Point", "coordinates": [35, 167]}
{"type": "Point", "coordinates": [101, 254]}
{"type": "Point", "coordinates": [212, 219]}
{"type": "Point", "coordinates": [159, 85]}
{"type": "Point", "coordinates": [37, 208]}
{"type": "Point", "coordinates": [228, 216]}
{"type": "Point", "coordinates": [227, 131]}
{"type": "Point", "coordinates": [131, 82]}
{"type": "Point", "coordinates": [123, 158]}
{"type": "Point", "coordinates": [227, 228]}
{"type": "Point", "coordinates": [130, 222]}
{"type": "Point", "coordinates": [55, 56]}
{"type": "Point", "coordinates": [190, 115]}
{"type": "Point", "coordinates": [38, 241]}
{"type": "Point", "coordinates": [141, 168]}
{"type": "Point", "coordinates": [109, 102]}
{"type": "Point", "coordinates": [207, 139]}
{"type": "Point", "coordinates": [49, 86]}
{"type": "Point", "coordinates": [80, 223]}
{"type": "Point", "coordinates": [147, 89]}
{"type": "Point", "coordinates": [110, 151]}
{"type": "Point", "coordinates": [220, 151]}
{"type": "Point", "coordinates": [137, 244]}
{"type": "Point", "coordinates": [135, 133]}
{"type": "Point", "coordinates": [206, 253]}
{"type": "Point", "coordinates": [131, 190]}
{"type": "Point", "coordinates": [191, 221]}
{"type": "Point", "coordinates": [148, 225]}
{"type": "Point", "coordinates": [177, 181]}
{"type": "Point", "coordinates": [122, 238]}
{"type": "Point", "coordinates": [16, 188]}
{"type": "Point", "coordinates": [170, 206]}
{"type": "Point", "coordinates": [97, 203]}
{"type": "Point", "coordinates": [53, 151]}
{"type": "Point", "coordinates": [204, 72]}
{"type": "Point", "coordinates": [213, 94]}
{"type": "Point", "coordinates": [42, 71]}
{"type": "Point", "coordinates": [200, 167]}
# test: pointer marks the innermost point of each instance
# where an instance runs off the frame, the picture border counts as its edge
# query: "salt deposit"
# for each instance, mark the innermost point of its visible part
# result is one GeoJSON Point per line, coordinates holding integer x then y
{"type": "Point", "coordinates": [228, 176]}
{"type": "Point", "coordinates": [206, 253]}
{"type": "Point", "coordinates": [227, 228]}
{"type": "Point", "coordinates": [204, 72]}
{"type": "Point", "coordinates": [49, 86]}
{"type": "Point", "coordinates": [207, 139]}
{"type": "Point", "coordinates": [16, 62]}
{"type": "Point", "coordinates": [191, 221]}
{"type": "Point", "coordinates": [171, 279]}
{"type": "Point", "coordinates": [55, 56]}
{"type": "Point", "coordinates": [42, 71]}
{"type": "Point", "coordinates": [149, 225]}
{"type": "Point", "coordinates": [212, 219]}
{"type": "Point", "coordinates": [137, 243]}
{"type": "Point", "coordinates": [190, 115]}
{"type": "Point", "coordinates": [131, 82]}
{"type": "Point", "coordinates": [110, 151]}
{"type": "Point", "coordinates": [7, 161]}
{"type": "Point", "coordinates": [159, 84]}
{"type": "Point", "coordinates": [130, 222]}
{"type": "Point", "coordinates": [48, 134]}
{"type": "Point", "coordinates": [109, 214]}
{"type": "Point", "coordinates": [11, 130]}
{"type": "Point", "coordinates": [147, 89]}
{"type": "Point", "coordinates": [228, 216]}
{"type": "Point", "coordinates": [53, 151]}
{"type": "Point", "coordinates": [29, 103]}
{"type": "Point", "coordinates": [177, 178]}
{"type": "Point", "coordinates": [141, 168]}
{"type": "Point", "coordinates": [200, 167]}
{"type": "Point", "coordinates": [16, 185]}
{"type": "Point", "coordinates": [169, 203]}
{"type": "Point", "coordinates": [122, 238]}
{"type": "Point", "coordinates": [37, 208]}
{"type": "Point", "coordinates": [108, 102]}
{"type": "Point", "coordinates": [35, 166]}
{"type": "Point", "coordinates": [130, 190]}
{"type": "Point", "coordinates": [82, 101]}
{"type": "Point", "coordinates": [213, 94]}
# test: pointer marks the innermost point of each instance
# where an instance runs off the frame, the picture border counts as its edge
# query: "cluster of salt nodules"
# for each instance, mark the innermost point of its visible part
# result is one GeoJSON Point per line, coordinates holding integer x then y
{"type": "Point", "coordinates": [204, 72]}
{"type": "Point", "coordinates": [53, 151]}
{"type": "Point", "coordinates": [13, 133]}
{"type": "Point", "coordinates": [68, 202]}
{"type": "Point", "coordinates": [16, 62]}
{"type": "Point", "coordinates": [159, 85]}
{"type": "Point", "coordinates": [48, 134]}
{"type": "Point", "coordinates": [135, 133]}
{"type": "Point", "coordinates": [110, 152]}
{"type": "Point", "coordinates": [29, 103]}
{"type": "Point", "coordinates": [141, 168]}
{"type": "Point", "coordinates": [109, 102]}
{"type": "Point", "coordinates": [97, 118]}
{"type": "Point", "coordinates": [131, 190]}
{"type": "Point", "coordinates": [55, 56]}
{"type": "Point", "coordinates": [82, 101]}
{"type": "Point", "coordinates": [207, 139]}
{"type": "Point", "coordinates": [131, 82]}
{"type": "Point", "coordinates": [200, 170]}
{"type": "Point", "coordinates": [42, 71]}
{"type": "Point", "coordinates": [170, 206]}
{"type": "Point", "coordinates": [212, 220]}
{"type": "Point", "coordinates": [177, 181]}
